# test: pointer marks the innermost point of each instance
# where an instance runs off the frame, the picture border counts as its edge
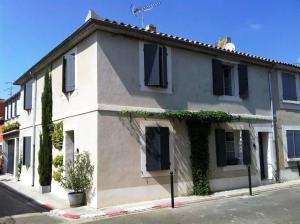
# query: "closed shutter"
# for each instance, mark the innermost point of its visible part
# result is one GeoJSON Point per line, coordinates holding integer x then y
{"type": "Point", "coordinates": [246, 147]}
{"type": "Point", "coordinates": [218, 79]}
{"type": "Point", "coordinates": [164, 147]}
{"type": "Point", "coordinates": [243, 81]}
{"type": "Point", "coordinates": [151, 65]}
{"type": "Point", "coordinates": [220, 147]}
{"type": "Point", "coordinates": [289, 91]}
{"type": "Point", "coordinates": [290, 144]}
{"type": "Point", "coordinates": [153, 157]}
{"type": "Point", "coordinates": [70, 73]}
{"type": "Point", "coordinates": [26, 151]}
{"type": "Point", "coordinates": [64, 75]}
{"type": "Point", "coordinates": [164, 67]}
{"type": "Point", "coordinates": [28, 95]}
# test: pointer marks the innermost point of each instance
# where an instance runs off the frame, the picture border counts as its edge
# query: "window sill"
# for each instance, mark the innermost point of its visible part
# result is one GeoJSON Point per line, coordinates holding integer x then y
{"type": "Point", "coordinates": [234, 167]}
{"type": "Point", "coordinates": [291, 102]}
{"type": "Point", "coordinates": [230, 98]}
{"type": "Point", "coordinates": [159, 173]}
{"type": "Point", "coordinates": [293, 160]}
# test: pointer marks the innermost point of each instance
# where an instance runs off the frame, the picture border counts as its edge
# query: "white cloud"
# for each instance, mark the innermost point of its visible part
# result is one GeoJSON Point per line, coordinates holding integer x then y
{"type": "Point", "coordinates": [298, 60]}
{"type": "Point", "coordinates": [256, 26]}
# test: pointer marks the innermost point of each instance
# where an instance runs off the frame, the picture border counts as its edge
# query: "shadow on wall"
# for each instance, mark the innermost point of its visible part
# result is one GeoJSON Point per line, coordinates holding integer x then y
{"type": "Point", "coordinates": [181, 154]}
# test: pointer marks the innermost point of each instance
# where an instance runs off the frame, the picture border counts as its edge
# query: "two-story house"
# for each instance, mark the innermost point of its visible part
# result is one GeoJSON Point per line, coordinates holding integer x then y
{"type": "Point", "coordinates": [106, 67]}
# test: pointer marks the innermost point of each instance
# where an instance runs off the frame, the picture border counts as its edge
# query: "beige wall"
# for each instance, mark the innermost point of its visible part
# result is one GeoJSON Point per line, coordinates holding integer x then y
{"type": "Point", "coordinates": [78, 111]}
{"type": "Point", "coordinates": [191, 77]}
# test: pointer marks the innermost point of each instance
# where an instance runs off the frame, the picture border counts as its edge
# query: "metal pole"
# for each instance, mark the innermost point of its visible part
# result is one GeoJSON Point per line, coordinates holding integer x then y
{"type": "Point", "coordinates": [172, 189]}
{"type": "Point", "coordinates": [249, 178]}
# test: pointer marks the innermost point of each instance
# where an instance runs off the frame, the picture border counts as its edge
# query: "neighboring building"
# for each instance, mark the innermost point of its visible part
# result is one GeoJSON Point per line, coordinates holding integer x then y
{"type": "Point", "coordinates": [106, 67]}
{"type": "Point", "coordinates": [11, 136]}
{"type": "Point", "coordinates": [286, 95]}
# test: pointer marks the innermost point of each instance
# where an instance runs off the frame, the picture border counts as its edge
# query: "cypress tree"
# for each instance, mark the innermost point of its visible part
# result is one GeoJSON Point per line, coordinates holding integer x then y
{"type": "Point", "coordinates": [45, 152]}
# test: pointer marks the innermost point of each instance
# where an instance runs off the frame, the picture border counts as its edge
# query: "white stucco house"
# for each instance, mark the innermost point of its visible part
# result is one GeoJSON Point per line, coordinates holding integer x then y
{"type": "Point", "coordinates": [106, 67]}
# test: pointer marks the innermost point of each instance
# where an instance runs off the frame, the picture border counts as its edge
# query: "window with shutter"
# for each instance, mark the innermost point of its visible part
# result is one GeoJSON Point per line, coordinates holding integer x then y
{"type": "Point", "coordinates": [243, 81]}
{"type": "Point", "coordinates": [218, 78]}
{"type": "Point", "coordinates": [157, 148]}
{"type": "Point", "coordinates": [293, 143]}
{"type": "Point", "coordinates": [26, 151]}
{"type": "Point", "coordinates": [68, 77]}
{"type": "Point", "coordinates": [155, 66]}
{"type": "Point", "coordinates": [28, 95]}
{"type": "Point", "coordinates": [289, 87]}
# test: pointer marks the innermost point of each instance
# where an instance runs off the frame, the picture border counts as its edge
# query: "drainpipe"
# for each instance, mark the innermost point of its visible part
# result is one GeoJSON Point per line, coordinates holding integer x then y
{"type": "Point", "coordinates": [34, 130]}
{"type": "Point", "coordinates": [274, 125]}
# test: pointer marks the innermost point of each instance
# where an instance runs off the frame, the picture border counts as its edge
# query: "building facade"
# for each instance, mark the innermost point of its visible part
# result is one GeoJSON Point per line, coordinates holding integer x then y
{"type": "Point", "coordinates": [105, 68]}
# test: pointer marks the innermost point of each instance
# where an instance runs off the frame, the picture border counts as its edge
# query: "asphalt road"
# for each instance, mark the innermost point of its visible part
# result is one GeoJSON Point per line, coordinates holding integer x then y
{"type": "Point", "coordinates": [282, 206]}
{"type": "Point", "coordinates": [17, 209]}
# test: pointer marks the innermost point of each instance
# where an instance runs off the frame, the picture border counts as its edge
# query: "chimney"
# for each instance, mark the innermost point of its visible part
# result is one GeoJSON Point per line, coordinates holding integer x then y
{"type": "Point", "coordinates": [151, 28]}
{"type": "Point", "coordinates": [225, 43]}
{"type": "Point", "coordinates": [222, 42]}
{"type": "Point", "coordinates": [92, 15]}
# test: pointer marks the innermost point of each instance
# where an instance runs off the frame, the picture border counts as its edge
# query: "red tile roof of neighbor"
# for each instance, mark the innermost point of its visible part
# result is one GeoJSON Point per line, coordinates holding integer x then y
{"type": "Point", "coordinates": [126, 29]}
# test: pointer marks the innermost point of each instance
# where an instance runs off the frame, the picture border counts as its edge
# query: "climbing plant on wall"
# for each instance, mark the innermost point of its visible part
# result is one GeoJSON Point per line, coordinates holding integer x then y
{"type": "Point", "coordinates": [198, 124]}
{"type": "Point", "coordinates": [57, 135]}
{"type": "Point", "coordinates": [45, 152]}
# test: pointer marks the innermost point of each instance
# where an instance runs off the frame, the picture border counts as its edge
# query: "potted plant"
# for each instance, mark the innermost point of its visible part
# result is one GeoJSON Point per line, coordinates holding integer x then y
{"type": "Point", "coordinates": [77, 178]}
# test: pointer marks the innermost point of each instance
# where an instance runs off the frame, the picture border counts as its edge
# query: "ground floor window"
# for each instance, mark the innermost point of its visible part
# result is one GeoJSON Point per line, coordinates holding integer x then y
{"type": "Point", "coordinates": [157, 148]}
{"type": "Point", "coordinates": [293, 143]}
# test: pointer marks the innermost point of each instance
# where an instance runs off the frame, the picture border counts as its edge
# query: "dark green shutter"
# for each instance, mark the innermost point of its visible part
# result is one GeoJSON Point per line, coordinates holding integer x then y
{"type": "Point", "coordinates": [153, 157]}
{"type": "Point", "coordinates": [151, 65]}
{"type": "Point", "coordinates": [243, 81]}
{"type": "Point", "coordinates": [220, 147]}
{"type": "Point", "coordinates": [164, 67]}
{"type": "Point", "coordinates": [246, 147]}
{"type": "Point", "coordinates": [164, 148]}
{"type": "Point", "coordinates": [218, 79]}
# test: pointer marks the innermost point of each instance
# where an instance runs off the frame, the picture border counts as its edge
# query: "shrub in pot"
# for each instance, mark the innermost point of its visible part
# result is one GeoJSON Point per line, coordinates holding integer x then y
{"type": "Point", "coordinates": [77, 178]}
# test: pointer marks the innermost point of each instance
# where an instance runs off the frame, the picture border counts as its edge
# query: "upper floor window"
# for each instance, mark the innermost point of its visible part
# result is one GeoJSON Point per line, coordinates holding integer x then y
{"type": "Point", "coordinates": [289, 87]}
{"type": "Point", "coordinates": [155, 68]}
{"type": "Point", "coordinates": [293, 143]}
{"type": "Point", "coordinates": [155, 65]}
{"type": "Point", "coordinates": [28, 95]}
{"type": "Point", "coordinates": [229, 79]}
{"type": "Point", "coordinates": [68, 82]}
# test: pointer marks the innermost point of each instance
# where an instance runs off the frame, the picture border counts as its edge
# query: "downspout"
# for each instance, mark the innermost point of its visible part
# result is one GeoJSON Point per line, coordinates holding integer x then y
{"type": "Point", "coordinates": [274, 125]}
{"type": "Point", "coordinates": [34, 130]}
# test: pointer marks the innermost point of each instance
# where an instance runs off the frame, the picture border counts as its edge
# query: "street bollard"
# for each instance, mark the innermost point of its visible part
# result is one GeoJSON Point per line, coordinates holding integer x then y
{"type": "Point", "coordinates": [249, 178]}
{"type": "Point", "coordinates": [172, 189]}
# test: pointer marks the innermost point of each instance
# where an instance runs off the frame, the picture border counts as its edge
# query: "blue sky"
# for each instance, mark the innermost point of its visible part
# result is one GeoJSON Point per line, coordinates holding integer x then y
{"type": "Point", "coordinates": [31, 28]}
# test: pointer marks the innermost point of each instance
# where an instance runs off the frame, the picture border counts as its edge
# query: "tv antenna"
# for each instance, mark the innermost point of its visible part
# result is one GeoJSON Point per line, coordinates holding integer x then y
{"type": "Point", "coordinates": [141, 10]}
{"type": "Point", "coordinates": [9, 89]}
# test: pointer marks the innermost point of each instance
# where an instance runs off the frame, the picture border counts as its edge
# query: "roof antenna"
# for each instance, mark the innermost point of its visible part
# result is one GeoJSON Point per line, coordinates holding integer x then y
{"type": "Point", "coordinates": [135, 10]}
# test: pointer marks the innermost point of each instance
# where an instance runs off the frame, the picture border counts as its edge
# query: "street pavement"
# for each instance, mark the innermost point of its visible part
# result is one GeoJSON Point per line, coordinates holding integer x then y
{"type": "Point", "coordinates": [276, 207]}
{"type": "Point", "coordinates": [280, 206]}
{"type": "Point", "coordinates": [15, 208]}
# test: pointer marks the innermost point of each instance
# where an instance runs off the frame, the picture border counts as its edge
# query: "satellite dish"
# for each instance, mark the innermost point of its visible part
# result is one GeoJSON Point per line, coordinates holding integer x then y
{"type": "Point", "coordinates": [229, 46]}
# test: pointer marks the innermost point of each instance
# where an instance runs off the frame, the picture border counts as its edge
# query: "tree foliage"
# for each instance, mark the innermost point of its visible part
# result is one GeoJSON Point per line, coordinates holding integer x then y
{"type": "Point", "coordinates": [45, 152]}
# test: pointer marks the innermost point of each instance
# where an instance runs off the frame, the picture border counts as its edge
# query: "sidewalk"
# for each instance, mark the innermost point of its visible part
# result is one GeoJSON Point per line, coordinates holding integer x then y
{"type": "Point", "coordinates": [60, 207]}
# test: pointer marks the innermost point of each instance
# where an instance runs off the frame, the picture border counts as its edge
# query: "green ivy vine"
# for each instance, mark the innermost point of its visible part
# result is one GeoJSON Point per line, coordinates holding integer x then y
{"type": "Point", "coordinates": [57, 135]}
